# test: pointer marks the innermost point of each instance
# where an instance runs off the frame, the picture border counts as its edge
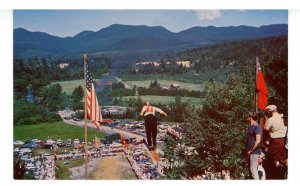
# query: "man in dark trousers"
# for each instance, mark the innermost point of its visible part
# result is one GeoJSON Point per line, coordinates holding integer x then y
{"type": "Point", "coordinates": [277, 131]}
{"type": "Point", "coordinates": [148, 112]}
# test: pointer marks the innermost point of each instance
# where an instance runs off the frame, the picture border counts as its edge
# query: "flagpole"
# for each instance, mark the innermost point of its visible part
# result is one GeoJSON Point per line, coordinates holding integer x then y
{"type": "Point", "coordinates": [256, 69]}
{"type": "Point", "coordinates": [85, 115]}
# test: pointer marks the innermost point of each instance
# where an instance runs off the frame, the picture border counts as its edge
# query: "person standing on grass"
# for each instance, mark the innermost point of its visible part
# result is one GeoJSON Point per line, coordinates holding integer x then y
{"type": "Point", "coordinates": [148, 112]}
{"type": "Point", "coordinates": [254, 140]}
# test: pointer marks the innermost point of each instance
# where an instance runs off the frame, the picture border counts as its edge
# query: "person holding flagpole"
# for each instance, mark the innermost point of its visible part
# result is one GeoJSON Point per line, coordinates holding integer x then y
{"type": "Point", "coordinates": [261, 101]}
{"type": "Point", "coordinates": [254, 146]}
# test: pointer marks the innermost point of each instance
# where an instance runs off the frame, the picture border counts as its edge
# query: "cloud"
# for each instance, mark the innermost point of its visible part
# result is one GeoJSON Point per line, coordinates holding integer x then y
{"type": "Point", "coordinates": [207, 14]}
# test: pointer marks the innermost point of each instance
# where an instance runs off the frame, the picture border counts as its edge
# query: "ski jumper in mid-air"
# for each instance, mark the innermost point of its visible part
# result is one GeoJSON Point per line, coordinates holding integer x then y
{"type": "Point", "coordinates": [148, 112]}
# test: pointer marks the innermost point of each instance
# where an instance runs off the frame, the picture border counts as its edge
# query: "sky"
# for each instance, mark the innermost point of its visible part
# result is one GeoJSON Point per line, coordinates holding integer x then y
{"type": "Point", "coordinates": [65, 23]}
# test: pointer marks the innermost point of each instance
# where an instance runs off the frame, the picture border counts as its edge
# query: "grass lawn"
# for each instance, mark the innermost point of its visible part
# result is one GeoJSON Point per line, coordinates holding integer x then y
{"type": "Point", "coordinates": [58, 130]}
{"type": "Point", "coordinates": [167, 99]}
{"type": "Point", "coordinates": [69, 86]}
{"type": "Point", "coordinates": [62, 172]}
{"type": "Point", "coordinates": [166, 83]}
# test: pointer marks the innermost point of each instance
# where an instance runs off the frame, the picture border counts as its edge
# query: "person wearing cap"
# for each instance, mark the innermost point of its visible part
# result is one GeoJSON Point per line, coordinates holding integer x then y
{"type": "Point", "coordinates": [277, 131]}
{"type": "Point", "coordinates": [148, 112]}
{"type": "Point", "coordinates": [254, 146]}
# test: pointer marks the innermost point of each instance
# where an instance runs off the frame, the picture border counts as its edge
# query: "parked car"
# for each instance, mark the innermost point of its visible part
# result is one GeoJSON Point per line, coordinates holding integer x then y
{"type": "Point", "coordinates": [114, 124]}
{"type": "Point", "coordinates": [116, 145]}
{"type": "Point", "coordinates": [153, 174]}
{"type": "Point", "coordinates": [112, 137]}
{"type": "Point", "coordinates": [25, 150]}
{"type": "Point", "coordinates": [76, 142]}
{"type": "Point", "coordinates": [69, 142]}
{"type": "Point", "coordinates": [81, 141]}
{"type": "Point", "coordinates": [121, 126]}
{"type": "Point", "coordinates": [26, 158]}
{"type": "Point", "coordinates": [37, 174]}
{"type": "Point", "coordinates": [110, 154]}
{"type": "Point", "coordinates": [18, 143]}
{"type": "Point", "coordinates": [60, 143]}
{"type": "Point", "coordinates": [138, 152]}
{"type": "Point", "coordinates": [104, 141]}
{"type": "Point", "coordinates": [36, 141]}
{"type": "Point", "coordinates": [148, 163]}
{"type": "Point", "coordinates": [148, 168]}
{"type": "Point", "coordinates": [50, 141]}
{"type": "Point", "coordinates": [16, 149]}
{"type": "Point", "coordinates": [47, 145]}
{"type": "Point", "coordinates": [30, 167]}
{"type": "Point", "coordinates": [29, 145]}
{"type": "Point", "coordinates": [16, 153]}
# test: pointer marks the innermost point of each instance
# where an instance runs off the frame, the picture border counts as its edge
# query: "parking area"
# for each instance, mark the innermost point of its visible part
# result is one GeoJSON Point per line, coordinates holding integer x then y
{"type": "Point", "coordinates": [39, 157]}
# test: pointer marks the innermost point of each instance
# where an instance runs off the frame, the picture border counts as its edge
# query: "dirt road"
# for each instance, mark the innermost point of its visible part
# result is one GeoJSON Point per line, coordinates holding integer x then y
{"type": "Point", "coordinates": [105, 168]}
{"type": "Point", "coordinates": [113, 168]}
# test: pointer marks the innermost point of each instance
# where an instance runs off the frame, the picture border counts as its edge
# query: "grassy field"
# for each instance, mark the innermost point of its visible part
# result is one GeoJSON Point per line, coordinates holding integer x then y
{"type": "Point", "coordinates": [69, 86]}
{"type": "Point", "coordinates": [167, 99]}
{"type": "Point", "coordinates": [166, 83]}
{"type": "Point", "coordinates": [62, 172]}
{"type": "Point", "coordinates": [58, 130]}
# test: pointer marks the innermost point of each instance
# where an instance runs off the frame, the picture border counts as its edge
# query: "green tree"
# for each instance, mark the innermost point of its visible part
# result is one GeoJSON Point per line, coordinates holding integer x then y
{"type": "Point", "coordinates": [26, 113]}
{"type": "Point", "coordinates": [218, 131]}
{"type": "Point", "coordinates": [77, 98]}
{"type": "Point", "coordinates": [138, 106]}
{"type": "Point", "coordinates": [53, 97]}
{"type": "Point", "coordinates": [155, 84]}
{"type": "Point", "coordinates": [172, 170]}
{"type": "Point", "coordinates": [178, 100]}
{"type": "Point", "coordinates": [277, 79]}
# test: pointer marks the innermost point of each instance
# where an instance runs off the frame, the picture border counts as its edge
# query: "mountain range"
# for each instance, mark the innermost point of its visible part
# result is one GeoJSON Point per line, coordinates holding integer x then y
{"type": "Point", "coordinates": [127, 39]}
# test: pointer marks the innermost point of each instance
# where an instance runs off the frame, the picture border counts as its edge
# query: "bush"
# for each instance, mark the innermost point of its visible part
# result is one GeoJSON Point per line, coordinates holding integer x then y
{"type": "Point", "coordinates": [27, 114]}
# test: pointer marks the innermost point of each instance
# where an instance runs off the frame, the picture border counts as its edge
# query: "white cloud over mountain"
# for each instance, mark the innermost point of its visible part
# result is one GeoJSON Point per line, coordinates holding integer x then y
{"type": "Point", "coordinates": [207, 14]}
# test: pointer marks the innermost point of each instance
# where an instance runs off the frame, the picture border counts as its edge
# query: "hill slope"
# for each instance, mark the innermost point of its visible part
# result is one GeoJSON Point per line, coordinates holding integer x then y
{"type": "Point", "coordinates": [126, 39]}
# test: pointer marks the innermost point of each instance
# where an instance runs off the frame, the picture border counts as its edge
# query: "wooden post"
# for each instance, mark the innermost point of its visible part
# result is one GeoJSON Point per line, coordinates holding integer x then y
{"type": "Point", "coordinates": [85, 115]}
{"type": "Point", "coordinates": [256, 69]}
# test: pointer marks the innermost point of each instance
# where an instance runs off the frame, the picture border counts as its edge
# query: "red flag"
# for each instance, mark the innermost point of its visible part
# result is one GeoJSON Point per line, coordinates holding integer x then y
{"type": "Point", "coordinates": [124, 142]}
{"type": "Point", "coordinates": [94, 113]}
{"type": "Point", "coordinates": [54, 153]}
{"type": "Point", "coordinates": [261, 89]}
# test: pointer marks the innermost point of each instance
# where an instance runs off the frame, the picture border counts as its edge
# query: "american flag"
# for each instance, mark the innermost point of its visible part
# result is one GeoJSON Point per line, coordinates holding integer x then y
{"type": "Point", "coordinates": [94, 113]}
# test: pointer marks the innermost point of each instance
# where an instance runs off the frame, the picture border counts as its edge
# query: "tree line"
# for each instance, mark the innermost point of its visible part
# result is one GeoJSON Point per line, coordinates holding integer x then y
{"type": "Point", "coordinates": [119, 90]}
{"type": "Point", "coordinates": [40, 72]}
{"type": "Point", "coordinates": [229, 56]}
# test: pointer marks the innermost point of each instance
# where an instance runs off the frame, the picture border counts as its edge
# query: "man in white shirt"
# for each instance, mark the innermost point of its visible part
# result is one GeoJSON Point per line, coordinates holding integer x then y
{"type": "Point", "coordinates": [148, 112]}
{"type": "Point", "coordinates": [277, 131]}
